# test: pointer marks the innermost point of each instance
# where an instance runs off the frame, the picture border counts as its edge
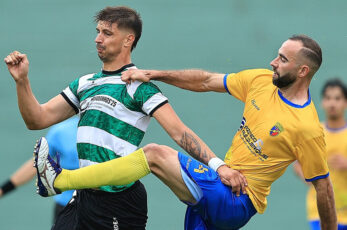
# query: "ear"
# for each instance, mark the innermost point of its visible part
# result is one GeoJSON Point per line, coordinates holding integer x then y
{"type": "Point", "coordinates": [304, 71]}
{"type": "Point", "coordinates": [129, 40]}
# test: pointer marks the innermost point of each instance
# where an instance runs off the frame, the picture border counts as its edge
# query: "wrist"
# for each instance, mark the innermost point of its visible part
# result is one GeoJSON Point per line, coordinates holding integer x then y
{"type": "Point", "coordinates": [22, 80]}
{"type": "Point", "coordinates": [215, 163]}
{"type": "Point", "coordinates": [153, 74]}
{"type": "Point", "coordinates": [7, 187]}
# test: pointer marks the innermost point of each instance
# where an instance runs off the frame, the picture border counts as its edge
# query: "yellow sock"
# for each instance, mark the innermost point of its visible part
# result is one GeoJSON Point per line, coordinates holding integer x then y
{"type": "Point", "coordinates": [120, 171]}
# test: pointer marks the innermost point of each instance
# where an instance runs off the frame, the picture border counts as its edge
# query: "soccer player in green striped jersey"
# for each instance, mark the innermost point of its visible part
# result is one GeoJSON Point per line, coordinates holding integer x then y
{"type": "Point", "coordinates": [114, 117]}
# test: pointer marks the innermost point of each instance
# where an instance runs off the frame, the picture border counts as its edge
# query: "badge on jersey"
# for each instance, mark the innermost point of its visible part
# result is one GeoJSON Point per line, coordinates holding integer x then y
{"type": "Point", "coordinates": [277, 129]}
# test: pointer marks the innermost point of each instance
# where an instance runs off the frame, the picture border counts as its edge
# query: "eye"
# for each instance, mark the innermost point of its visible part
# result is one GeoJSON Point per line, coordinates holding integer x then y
{"type": "Point", "coordinates": [108, 33]}
{"type": "Point", "coordinates": [283, 59]}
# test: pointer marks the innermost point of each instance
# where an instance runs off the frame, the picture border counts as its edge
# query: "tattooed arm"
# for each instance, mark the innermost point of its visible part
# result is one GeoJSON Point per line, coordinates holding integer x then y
{"type": "Point", "coordinates": [190, 142]}
{"type": "Point", "coordinates": [182, 135]}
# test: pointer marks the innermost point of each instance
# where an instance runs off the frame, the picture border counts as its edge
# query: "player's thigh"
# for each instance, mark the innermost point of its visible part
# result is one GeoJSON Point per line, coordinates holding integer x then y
{"type": "Point", "coordinates": [164, 163]}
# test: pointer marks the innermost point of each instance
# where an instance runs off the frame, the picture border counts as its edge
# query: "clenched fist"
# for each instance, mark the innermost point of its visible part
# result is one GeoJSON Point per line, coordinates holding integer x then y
{"type": "Point", "coordinates": [18, 65]}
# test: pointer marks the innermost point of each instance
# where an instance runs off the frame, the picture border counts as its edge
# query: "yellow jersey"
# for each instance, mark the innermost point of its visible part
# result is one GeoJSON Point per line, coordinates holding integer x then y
{"type": "Point", "coordinates": [336, 140]}
{"type": "Point", "coordinates": [274, 132]}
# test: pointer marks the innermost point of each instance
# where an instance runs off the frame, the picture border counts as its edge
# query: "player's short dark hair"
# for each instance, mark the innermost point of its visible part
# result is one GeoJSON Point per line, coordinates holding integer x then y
{"type": "Point", "coordinates": [311, 50]}
{"type": "Point", "coordinates": [125, 17]}
{"type": "Point", "coordinates": [335, 82]}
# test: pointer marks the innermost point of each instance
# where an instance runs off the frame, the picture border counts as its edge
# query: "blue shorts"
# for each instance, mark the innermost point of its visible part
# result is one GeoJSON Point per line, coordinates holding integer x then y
{"type": "Point", "coordinates": [315, 225]}
{"type": "Point", "coordinates": [217, 208]}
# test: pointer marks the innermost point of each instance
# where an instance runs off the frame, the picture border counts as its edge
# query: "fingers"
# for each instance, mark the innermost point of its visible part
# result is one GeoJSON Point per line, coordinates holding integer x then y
{"type": "Point", "coordinates": [126, 76]}
{"type": "Point", "coordinates": [244, 183]}
{"type": "Point", "coordinates": [236, 186]}
{"type": "Point", "coordinates": [14, 58]}
{"type": "Point", "coordinates": [135, 75]}
{"type": "Point", "coordinates": [239, 184]}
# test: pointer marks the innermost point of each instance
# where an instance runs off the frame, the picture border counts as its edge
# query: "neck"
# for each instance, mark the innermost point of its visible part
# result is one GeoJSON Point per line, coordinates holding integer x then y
{"type": "Point", "coordinates": [117, 63]}
{"type": "Point", "coordinates": [296, 93]}
{"type": "Point", "coordinates": [336, 123]}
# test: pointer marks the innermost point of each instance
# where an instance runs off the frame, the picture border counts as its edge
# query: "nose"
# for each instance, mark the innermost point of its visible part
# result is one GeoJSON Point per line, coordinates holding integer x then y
{"type": "Point", "coordinates": [98, 38]}
{"type": "Point", "coordinates": [274, 62]}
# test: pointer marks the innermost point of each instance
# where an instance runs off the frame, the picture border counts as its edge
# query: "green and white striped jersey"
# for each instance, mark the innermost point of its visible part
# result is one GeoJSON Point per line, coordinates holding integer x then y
{"type": "Point", "coordinates": [114, 115]}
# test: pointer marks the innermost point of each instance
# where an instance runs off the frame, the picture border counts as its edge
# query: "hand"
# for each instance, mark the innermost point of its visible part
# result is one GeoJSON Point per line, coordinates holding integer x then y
{"type": "Point", "coordinates": [338, 162]}
{"type": "Point", "coordinates": [135, 74]}
{"type": "Point", "coordinates": [233, 178]}
{"type": "Point", "coordinates": [0, 192]}
{"type": "Point", "coordinates": [18, 65]}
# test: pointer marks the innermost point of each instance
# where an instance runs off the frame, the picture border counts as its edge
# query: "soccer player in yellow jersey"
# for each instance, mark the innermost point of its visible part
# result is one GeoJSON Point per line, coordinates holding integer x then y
{"type": "Point", "coordinates": [334, 102]}
{"type": "Point", "coordinates": [280, 125]}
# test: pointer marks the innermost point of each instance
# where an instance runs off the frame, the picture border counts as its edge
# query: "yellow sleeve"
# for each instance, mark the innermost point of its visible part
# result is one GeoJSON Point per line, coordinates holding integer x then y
{"type": "Point", "coordinates": [239, 84]}
{"type": "Point", "coordinates": [312, 156]}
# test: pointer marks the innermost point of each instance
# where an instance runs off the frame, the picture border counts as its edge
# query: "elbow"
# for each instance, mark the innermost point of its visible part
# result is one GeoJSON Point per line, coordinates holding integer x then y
{"type": "Point", "coordinates": [34, 125]}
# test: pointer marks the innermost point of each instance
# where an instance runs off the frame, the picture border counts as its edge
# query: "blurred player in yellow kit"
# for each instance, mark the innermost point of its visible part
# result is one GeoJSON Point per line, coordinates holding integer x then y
{"type": "Point", "coordinates": [334, 102]}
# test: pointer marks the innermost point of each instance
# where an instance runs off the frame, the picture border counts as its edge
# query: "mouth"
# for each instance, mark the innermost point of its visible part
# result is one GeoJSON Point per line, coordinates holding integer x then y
{"type": "Point", "coordinates": [100, 48]}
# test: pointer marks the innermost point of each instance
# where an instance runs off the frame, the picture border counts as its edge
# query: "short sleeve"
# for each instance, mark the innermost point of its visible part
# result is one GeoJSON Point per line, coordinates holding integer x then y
{"type": "Point", "coordinates": [239, 84]}
{"type": "Point", "coordinates": [149, 98]}
{"type": "Point", "coordinates": [312, 156]}
{"type": "Point", "coordinates": [71, 96]}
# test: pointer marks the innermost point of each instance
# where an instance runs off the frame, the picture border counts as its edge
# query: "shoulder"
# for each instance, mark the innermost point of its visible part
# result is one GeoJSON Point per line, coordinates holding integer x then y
{"type": "Point", "coordinates": [139, 88]}
{"type": "Point", "coordinates": [256, 72]}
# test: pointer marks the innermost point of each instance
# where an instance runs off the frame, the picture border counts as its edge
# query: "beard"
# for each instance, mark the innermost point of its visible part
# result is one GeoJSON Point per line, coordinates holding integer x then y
{"type": "Point", "coordinates": [284, 81]}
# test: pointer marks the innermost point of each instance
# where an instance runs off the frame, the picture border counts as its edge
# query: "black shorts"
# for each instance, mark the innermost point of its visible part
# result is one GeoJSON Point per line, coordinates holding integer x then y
{"type": "Point", "coordinates": [99, 210]}
{"type": "Point", "coordinates": [57, 209]}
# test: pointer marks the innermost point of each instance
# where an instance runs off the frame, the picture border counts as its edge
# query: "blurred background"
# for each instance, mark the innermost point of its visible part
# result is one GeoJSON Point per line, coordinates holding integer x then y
{"type": "Point", "coordinates": [221, 36]}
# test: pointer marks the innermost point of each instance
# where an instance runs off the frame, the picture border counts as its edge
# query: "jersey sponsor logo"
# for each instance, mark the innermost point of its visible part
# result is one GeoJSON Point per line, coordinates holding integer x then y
{"type": "Point", "coordinates": [98, 102]}
{"type": "Point", "coordinates": [276, 129]}
{"type": "Point", "coordinates": [253, 144]}
{"type": "Point", "coordinates": [243, 122]}
{"type": "Point", "coordinates": [259, 144]}
{"type": "Point", "coordinates": [255, 105]}
{"type": "Point", "coordinates": [201, 169]}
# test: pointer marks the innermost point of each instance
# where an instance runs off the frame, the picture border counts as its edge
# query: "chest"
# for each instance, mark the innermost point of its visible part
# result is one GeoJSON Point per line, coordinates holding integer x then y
{"type": "Point", "coordinates": [269, 127]}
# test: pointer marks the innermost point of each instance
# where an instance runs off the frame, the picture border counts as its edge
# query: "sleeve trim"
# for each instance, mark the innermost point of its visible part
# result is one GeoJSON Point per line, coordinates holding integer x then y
{"type": "Point", "coordinates": [225, 83]}
{"type": "Point", "coordinates": [317, 177]}
{"type": "Point", "coordinates": [158, 106]}
{"type": "Point", "coordinates": [70, 102]}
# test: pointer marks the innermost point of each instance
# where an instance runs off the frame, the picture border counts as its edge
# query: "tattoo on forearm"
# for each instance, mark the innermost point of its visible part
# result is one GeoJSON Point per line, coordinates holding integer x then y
{"type": "Point", "coordinates": [193, 147]}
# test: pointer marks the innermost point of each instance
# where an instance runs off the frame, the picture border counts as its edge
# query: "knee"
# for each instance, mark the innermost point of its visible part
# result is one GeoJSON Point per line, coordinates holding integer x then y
{"type": "Point", "coordinates": [156, 154]}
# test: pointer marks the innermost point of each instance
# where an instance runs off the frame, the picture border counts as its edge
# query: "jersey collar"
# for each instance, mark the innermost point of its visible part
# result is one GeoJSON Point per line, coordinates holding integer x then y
{"type": "Point", "coordinates": [118, 70]}
{"type": "Point", "coordinates": [335, 130]}
{"type": "Point", "coordinates": [285, 100]}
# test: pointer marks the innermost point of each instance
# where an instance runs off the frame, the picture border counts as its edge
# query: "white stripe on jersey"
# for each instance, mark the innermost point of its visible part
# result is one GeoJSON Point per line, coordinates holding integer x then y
{"type": "Point", "coordinates": [85, 163]}
{"type": "Point", "coordinates": [85, 84]}
{"type": "Point", "coordinates": [132, 87]}
{"type": "Point", "coordinates": [72, 97]}
{"type": "Point", "coordinates": [153, 102]}
{"type": "Point", "coordinates": [101, 138]}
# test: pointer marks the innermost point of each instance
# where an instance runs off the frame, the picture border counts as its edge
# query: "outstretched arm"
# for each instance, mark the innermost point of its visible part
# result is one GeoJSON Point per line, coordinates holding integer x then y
{"type": "Point", "coordinates": [197, 148]}
{"type": "Point", "coordinates": [326, 203]}
{"type": "Point", "coordinates": [193, 79]}
{"type": "Point", "coordinates": [23, 175]}
{"type": "Point", "coordinates": [35, 116]}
